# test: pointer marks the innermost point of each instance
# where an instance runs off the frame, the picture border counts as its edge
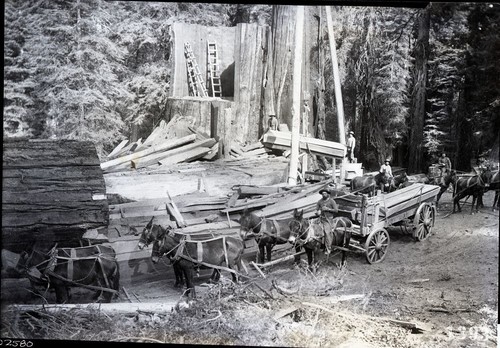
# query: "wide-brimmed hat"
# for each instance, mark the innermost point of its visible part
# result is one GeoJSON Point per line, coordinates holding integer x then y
{"type": "Point", "coordinates": [324, 190]}
{"type": "Point", "coordinates": [387, 160]}
{"type": "Point", "coordinates": [351, 132]}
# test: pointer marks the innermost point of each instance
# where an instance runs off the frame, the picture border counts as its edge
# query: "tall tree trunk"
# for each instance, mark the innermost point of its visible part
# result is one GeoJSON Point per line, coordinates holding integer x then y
{"type": "Point", "coordinates": [419, 94]}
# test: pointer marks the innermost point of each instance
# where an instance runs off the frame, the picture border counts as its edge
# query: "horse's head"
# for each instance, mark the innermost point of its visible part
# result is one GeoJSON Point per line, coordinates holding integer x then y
{"type": "Point", "coordinates": [33, 262]}
{"type": "Point", "coordinates": [163, 243]}
{"type": "Point", "coordinates": [147, 235]}
{"type": "Point", "coordinates": [297, 225]}
{"type": "Point", "coordinates": [448, 178]}
{"type": "Point", "coordinates": [249, 224]}
{"type": "Point", "coordinates": [486, 177]}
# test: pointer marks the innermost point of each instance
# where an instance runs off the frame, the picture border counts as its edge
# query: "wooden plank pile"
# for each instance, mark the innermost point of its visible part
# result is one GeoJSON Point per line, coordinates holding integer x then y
{"type": "Point", "coordinates": [282, 141]}
{"type": "Point", "coordinates": [161, 149]}
{"type": "Point", "coordinates": [277, 205]}
{"type": "Point", "coordinates": [243, 152]}
{"type": "Point", "coordinates": [178, 212]}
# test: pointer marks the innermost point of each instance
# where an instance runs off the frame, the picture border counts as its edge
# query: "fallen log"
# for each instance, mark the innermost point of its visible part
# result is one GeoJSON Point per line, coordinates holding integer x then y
{"type": "Point", "coordinates": [117, 149]}
{"type": "Point", "coordinates": [164, 307]}
{"type": "Point", "coordinates": [283, 259]}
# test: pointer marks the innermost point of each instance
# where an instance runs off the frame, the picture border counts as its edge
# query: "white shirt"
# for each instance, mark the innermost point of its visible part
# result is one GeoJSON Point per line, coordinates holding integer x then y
{"type": "Point", "coordinates": [385, 168]}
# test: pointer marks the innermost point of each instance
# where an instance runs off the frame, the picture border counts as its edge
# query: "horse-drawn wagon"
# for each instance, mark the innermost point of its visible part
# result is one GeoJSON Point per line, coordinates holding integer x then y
{"type": "Point", "coordinates": [412, 207]}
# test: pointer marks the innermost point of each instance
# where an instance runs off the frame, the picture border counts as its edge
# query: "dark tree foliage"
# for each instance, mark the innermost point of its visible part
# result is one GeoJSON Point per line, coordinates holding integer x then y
{"type": "Point", "coordinates": [97, 70]}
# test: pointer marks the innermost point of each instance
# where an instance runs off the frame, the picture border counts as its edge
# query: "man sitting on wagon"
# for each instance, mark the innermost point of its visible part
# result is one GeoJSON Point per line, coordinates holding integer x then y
{"type": "Point", "coordinates": [325, 209]}
{"type": "Point", "coordinates": [386, 171]}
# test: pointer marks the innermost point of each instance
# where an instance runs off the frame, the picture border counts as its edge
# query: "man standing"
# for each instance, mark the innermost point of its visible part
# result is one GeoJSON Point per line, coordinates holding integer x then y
{"type": "Point", "coordinates": [273, 122]}
{"type": "Point", "coordinates": [351, 144]}
{"type": "Point", "coordinates": [325, 209]}
{"type": "Point", "coordinates": [445, 164]}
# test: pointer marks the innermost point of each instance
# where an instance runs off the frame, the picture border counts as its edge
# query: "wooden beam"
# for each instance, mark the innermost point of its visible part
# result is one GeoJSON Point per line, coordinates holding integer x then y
{"type": "Point", "coordinates": [297, 79]}
{"type": "Point", "coordinates": [162, 147]}
{"type": "Point", "coordinates": [157, 157]}
{"type": "Point", "coordinates": [336, 76]}
{"type": "Point", "coordinates": [117, 149]}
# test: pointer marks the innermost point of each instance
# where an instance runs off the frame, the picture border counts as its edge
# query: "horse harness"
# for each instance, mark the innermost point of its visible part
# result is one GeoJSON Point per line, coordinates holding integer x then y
{"type": "Point", "coordinates": [70, 258]}
{"type": "Point", "coordinates": [264, 231]}
{"type": "Point", "coordinates": [181, 252]}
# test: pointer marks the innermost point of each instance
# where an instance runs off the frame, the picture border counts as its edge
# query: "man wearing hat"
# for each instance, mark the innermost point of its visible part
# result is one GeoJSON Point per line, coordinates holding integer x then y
{"type": "Point", "coordinates": [386, 170]}
{"type": "Point", "coordinates": [325, 209]}
{"type": "Point", "coordinates": [273, 122]}
{"type": "Point", "coordinates": [351, 143]}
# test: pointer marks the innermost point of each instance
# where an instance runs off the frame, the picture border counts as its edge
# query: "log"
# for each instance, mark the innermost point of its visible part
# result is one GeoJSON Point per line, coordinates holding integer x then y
{"type": "Point", "coordinates": [213, 153]}
{"type": "Point", "coordinates": [164, 307]}
{"type": "Point", "coordinates": [282, 259]}
{"type": "Point", "coordinates": [162, 147]}
{"type": "Point", "coordinates": [52, 191]}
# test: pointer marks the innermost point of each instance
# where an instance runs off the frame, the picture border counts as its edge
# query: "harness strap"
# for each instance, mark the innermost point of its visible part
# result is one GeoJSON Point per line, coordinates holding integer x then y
{"type": "Point", "coordinates": [103, 272]}
{"type": "Point", "coordinates": [70, 263]}
{"type": "Point", "coordinates": [55, 275]}
{"type": "Point", "coordinates": [225, 250]}
{"type": "Point", "coordinates": [199, 248]}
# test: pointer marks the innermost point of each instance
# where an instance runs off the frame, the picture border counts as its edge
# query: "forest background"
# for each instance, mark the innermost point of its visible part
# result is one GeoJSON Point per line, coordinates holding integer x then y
{"type": "Point", "coordinates": [415, 81]}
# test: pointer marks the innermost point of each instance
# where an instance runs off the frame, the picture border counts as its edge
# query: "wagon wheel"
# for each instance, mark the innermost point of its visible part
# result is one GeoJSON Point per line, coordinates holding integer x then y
{"type": "Point", "coordinates": [423, 221]}
{"type": "Point", "coordinates": [376, 245]}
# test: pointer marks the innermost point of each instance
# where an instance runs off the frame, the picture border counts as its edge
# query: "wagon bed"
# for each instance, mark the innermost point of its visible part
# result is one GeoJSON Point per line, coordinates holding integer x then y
{"type": "Point", "coordinates": [413, 206]}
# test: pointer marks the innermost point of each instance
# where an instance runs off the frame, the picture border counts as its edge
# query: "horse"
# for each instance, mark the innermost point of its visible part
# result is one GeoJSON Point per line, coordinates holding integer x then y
{"type": "Point", "coordinates": [310, 234]}
{"type": "Point", "coordinates": [148, 235]}
{"type": "Point", "coordinates": [471, 186]}
{"type": "Point", "coordinates": [93, 267]}
{"type": "Point", "coordinates": [444, 183]}
{"type": "Point", "coordinates": [368, 184]}
{"type": "Point", "coordinates": [495, 186]}
{"type": "Point", "coordinates": [267, 233]}
{"type": "Point", "coordinates": [364, 184]}
{"type": "Point", "coordinates": [186, 254]}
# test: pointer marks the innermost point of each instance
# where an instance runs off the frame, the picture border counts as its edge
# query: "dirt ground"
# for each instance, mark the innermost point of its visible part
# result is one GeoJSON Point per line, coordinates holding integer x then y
{"type": "Point", "coordinates": [447, 285]}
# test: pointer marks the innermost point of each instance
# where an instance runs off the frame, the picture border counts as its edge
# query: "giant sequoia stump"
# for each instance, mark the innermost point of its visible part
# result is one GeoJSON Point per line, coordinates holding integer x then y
{"type": "Point", "coordinates": [52, 191]}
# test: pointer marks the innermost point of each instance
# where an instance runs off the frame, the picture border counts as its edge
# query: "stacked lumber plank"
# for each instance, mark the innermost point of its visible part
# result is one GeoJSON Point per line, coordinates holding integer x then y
{"type": "Point", "coordinates": [283, 140]}
{"type": "Point", "coordinates": [132, 217]}
{"type": "Point", "coordinates": [279, 205]}
{"type": "Point", "coordinates": [162, 148]}
{"type": "Point", "coordinates": [255, 150]}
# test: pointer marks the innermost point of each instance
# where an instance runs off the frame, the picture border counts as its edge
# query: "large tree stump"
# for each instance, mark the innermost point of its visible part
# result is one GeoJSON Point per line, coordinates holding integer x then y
{"type": "Point", "coordinates": [52, 191]}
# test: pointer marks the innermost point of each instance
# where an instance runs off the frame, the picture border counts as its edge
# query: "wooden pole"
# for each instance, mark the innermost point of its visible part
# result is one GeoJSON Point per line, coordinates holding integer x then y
{"type": "Point", "coordinates": [296, 109]}
{"type": "Point", "coordinates": [336, 77]}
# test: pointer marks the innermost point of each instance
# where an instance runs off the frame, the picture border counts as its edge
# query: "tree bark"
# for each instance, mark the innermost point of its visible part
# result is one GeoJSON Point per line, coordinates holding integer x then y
{"type": "Point", "coordinates": [419, 94]}
{"type": "Point", "coordinates": [52, 191]}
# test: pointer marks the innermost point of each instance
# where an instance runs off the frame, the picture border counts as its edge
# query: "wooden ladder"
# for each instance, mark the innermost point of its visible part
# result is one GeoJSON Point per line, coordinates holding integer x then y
{"type": "Point", "coordinates": [213, 69]}
{"type": "Point", "coordinates": [196, 84]}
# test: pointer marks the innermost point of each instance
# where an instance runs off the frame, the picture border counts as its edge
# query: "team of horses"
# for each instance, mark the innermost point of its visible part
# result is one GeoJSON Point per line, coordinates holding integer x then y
{"type": "Point", "coordinates": [95, 267]}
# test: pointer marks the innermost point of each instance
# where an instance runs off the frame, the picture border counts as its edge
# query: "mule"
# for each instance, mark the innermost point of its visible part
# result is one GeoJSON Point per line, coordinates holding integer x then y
{"type": "Point", "coordinates": [311, 235]}
{"type": "Point", "coordinates": [474, 186]}
{"type": "Point", "coordinates": [495, 186]}
{"type": "Point", "coordinates": [187, 254]}
{"type": "Point", "coordinates": [444, 183]}
{"type": "Point", "coordinates": [368, 184]}
{"type": "Point", "coordinates": [364, 184]}
{"type": "Point", "coordinates": [267, 233]}
{"type": "Point", "coordinates": [93, 267]}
